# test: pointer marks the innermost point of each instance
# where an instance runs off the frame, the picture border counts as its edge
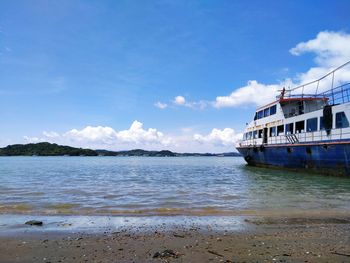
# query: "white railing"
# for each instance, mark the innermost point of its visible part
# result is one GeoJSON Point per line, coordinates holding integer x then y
{"type": "Point", "coordinates": [316, 136]}
{"type": "Point", "coordinates": [334, 86]}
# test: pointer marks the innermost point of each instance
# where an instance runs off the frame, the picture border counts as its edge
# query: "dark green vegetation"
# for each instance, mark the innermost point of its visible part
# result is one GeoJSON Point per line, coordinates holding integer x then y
{"type": "Point", "coordinates": [44, 149]}
{"type": "Point", "coordinates": [52, 149]}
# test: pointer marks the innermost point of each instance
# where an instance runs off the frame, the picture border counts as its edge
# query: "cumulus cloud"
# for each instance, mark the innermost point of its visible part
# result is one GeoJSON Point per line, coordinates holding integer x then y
{"type": "Point", "coordinates": [331, 49]}
{"type": "Point", "coordinates": [136, 136]}
{"type": "Point", "coordinates": [161, 105]}
{"type": "Point", "coordinates": [225, 137]}
{"type": "Point", "coordinates": [180, 100]}
{"type": "Point", "coordinates": [253, 92]}
{"type": "Point", "coordinates": [106, 137]}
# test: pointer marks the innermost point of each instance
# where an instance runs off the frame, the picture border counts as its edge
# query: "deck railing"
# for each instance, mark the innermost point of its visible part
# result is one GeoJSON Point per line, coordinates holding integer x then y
{"type": "Point", "coordinates": [334, 86]}
{"type": "Point", "coordinates": [303, 137]}
{"type": "Point", "coordinates": [338, 95]}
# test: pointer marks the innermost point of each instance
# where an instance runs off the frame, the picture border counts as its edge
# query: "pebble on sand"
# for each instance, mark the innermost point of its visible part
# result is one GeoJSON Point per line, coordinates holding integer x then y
{"type": "Point", "coordinates": [34, 223]}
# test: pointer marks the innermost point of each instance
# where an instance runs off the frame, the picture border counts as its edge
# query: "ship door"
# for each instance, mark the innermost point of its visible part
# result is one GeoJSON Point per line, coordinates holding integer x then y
{"type": "Point", "coordinates": [265, 135]}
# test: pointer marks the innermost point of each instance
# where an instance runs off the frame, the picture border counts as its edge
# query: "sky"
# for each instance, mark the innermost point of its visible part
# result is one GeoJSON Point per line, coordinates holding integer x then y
{"type": "Point", "coordinates": [180, 75]}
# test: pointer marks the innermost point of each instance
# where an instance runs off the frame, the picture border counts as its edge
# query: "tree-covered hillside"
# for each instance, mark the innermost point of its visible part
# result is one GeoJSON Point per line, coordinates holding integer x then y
{"type": "Point", "coordinates": [44, 149]}
{"type": "Point", "coordinates": [52, 149]}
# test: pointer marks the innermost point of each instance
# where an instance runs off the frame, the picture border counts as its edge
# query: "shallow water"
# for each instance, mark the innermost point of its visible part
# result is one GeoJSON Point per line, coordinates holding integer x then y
{"type": "Point", "coordinates": [161, 186]}
{"type": "Point", "coordinates": [14, 224]}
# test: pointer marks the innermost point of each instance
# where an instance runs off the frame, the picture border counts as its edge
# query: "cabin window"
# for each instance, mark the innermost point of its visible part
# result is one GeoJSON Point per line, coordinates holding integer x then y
{"type": "Point", "coordinates": [299, 126]}
{"type": "Point", "coordinates": [250, 135]}
{"type": "Point", "coordinates": [255, 134]}
{"type": "Point", "coordinates": [273, 110]}
{"type": "Point", "coordinates": [260, 114]}
{"type": "Point", "coordinates": [289, 128]}
{"type": "Point", "coordinates": [272, 131]}
{"type": "Point", "coordinates": [300, 107]}
{"type": "Point", "coordinates": [255, 116]}
{"type": "Point", "coordinates": [322, 124]}
{"type": "Point", "coordinates": [266, 112]}
{"type": "Point", "coordinates": [311, 125]}
{"type": "Point", "coordinates": [260, 133]}
{"type": "Point", "coordinates": [340, 120]}
{"type": "Point", "coordinates": [280, 129]}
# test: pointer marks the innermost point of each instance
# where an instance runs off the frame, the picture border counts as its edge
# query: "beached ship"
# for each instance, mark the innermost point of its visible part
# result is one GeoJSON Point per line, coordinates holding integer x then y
{"type": "Point", "coordinates": [306, 127]}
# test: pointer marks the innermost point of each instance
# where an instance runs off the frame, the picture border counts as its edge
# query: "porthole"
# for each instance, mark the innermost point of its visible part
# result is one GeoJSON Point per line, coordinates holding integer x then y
{"type": "Point", "coordinates": [289, 150]}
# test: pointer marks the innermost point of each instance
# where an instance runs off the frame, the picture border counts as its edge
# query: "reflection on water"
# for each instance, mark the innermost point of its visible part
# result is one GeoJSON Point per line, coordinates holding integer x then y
{"type": "Point", "coordinates": [161, 186]}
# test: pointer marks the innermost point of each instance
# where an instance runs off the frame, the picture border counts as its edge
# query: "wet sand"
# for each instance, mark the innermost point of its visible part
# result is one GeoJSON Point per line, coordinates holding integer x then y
{"type": "Point", "coordinates": [261, 239]}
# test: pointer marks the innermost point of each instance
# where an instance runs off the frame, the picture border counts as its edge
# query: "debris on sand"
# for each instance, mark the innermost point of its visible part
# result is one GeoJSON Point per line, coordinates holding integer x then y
{"type": "Point", "coordinates": [166, 254]}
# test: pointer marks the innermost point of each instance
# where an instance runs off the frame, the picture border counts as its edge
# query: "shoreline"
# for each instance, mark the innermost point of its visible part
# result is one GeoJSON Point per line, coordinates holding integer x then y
{"type": "Point", "coordinates": [189, 239]}
{"type": "Point", "coordinates": [171, 212]}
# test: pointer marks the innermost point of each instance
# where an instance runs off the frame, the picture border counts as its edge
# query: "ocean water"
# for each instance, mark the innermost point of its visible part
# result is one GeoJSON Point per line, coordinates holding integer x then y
{"type": "Point", "coordinates": [162, 186]}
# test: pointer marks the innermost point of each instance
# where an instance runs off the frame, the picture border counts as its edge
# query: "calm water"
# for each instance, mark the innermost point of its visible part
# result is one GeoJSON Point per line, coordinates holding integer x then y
{"type": "Point", "coordinates": [160, 186]}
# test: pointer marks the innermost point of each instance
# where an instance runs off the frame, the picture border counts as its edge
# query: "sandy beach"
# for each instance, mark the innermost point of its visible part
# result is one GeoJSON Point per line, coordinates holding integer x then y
{"type": "Point", "coordinates": [261, 239]}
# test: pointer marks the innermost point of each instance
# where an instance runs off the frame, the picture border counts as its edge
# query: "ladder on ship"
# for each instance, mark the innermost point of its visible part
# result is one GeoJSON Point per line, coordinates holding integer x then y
{"type": "Point", "coordinates": [292, 138]}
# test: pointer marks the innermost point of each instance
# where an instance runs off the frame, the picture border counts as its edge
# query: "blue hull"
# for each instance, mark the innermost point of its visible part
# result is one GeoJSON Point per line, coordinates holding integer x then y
{"type": "Point", "coordinates": [323, 157]}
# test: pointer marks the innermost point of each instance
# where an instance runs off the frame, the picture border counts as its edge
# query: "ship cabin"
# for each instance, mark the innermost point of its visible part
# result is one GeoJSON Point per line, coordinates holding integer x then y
{"type": "Point", "coordinates": [298, 119]}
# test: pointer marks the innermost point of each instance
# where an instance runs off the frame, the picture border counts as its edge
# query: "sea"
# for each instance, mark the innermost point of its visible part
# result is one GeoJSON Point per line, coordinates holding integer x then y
{"type": "Point", "coordinates": [162, 186]}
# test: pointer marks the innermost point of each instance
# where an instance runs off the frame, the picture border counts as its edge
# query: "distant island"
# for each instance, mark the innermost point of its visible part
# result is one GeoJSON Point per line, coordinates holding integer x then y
{"type": "Point", "coordinates": [52, 149]}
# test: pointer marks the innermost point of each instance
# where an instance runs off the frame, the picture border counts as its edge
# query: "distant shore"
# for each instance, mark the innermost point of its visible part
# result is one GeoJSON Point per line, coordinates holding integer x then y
{"type": "Point", "coordinates": [52, 149]}
{"type": "Point", "coordinates": [223, 239]}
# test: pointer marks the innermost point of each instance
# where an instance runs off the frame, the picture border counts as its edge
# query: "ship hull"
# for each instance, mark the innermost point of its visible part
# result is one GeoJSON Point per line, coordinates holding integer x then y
{"type": "Point", "coordinates": [327, 157]}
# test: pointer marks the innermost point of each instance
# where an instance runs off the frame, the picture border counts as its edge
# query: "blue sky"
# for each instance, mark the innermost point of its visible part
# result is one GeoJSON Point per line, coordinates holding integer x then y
{"type": "Point", "coordinates": [68, 65]}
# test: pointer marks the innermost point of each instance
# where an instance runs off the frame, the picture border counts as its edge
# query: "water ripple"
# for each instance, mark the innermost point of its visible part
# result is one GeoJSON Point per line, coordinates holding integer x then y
{"type": "Point", "coordinates": [112, 185]}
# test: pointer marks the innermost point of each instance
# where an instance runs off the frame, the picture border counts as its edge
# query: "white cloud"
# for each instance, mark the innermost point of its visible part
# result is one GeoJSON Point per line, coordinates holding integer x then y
{"type": "Point", "coordinates": [136, 136]}
{"type": "Point", "coordinates": [160, 105]}
{"type": "Point", "coordinates": [106, 137]}
{"type": "Point", "coordinates": [253, 92]}
{"type": "Point", "coordinates": [225, 137]}
{"type": "Point", "coordinates": [180, 100]}
{"type": "Point", "coordinates": [331, 49]}
{"type": "Point", "coordinates": [32, 139]}
{"type": "Point", "coordinates": [101, 134]}
{"type": "Point", "coordinates": [51, 134]}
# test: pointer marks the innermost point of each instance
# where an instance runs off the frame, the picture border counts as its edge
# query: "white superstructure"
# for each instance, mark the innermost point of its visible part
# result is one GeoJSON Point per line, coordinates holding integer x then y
{"type": "Point", "coordinates": [303, 118]}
